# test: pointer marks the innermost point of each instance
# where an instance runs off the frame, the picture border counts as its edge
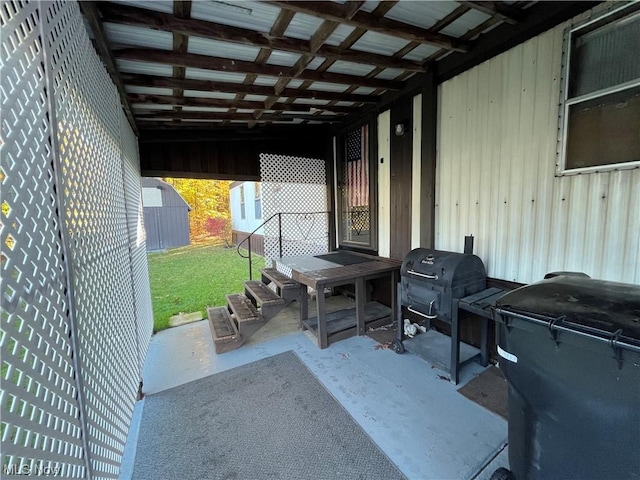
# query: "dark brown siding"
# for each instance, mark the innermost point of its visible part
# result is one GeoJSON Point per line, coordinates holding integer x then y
{"type": "Point", "coordinates": [257, 241]}
{"type": "Point", "coordinates": [225, 154]}
{"type": "Point", "coordinates": [401, 163]}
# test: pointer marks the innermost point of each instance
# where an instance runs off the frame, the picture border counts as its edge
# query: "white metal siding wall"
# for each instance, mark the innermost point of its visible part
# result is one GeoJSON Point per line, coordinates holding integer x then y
{"type": "Point", "coordinates": [497, 133]}
{"type": "Point", "coordinates": [384, 184]}
{"type": "Point", "coordinates": [416, 172]}
{"type": "Point", "coordinates": [250, 221]}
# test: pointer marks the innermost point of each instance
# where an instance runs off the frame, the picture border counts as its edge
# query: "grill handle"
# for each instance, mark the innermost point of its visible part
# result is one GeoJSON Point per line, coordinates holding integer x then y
{"type": "Point", "coordinates": [430, 317]}
{"type": "Point", "coordinates": [425, 275]}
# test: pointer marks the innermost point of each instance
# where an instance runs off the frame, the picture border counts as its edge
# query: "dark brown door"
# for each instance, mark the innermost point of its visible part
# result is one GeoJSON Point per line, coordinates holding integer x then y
{"type": "Point", "coordinates": [401, 163]}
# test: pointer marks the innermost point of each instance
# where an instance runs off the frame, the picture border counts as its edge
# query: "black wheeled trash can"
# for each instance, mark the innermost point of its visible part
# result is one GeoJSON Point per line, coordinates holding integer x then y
{"type": "Point", "coordinates": [570, 349]}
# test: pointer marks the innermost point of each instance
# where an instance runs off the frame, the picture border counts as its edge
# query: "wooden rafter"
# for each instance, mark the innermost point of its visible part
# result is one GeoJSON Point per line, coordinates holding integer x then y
{"type": "Point", "coordinates": [206, 62]}
{"type": "Point", "coordinates": [141, 17]}
{"type": "Point", "coordinates": [137, 98]}
{"type": "Point", "coordinates": [500, 10]}
{"type": "Point", "coordinates": [198, 115]}
{"type": "Point", "coordinates": [340, 13]}
{"type": "Point", "coordinates": [213, 86]}
{"type": "Point", "coordinates": [182, 10]}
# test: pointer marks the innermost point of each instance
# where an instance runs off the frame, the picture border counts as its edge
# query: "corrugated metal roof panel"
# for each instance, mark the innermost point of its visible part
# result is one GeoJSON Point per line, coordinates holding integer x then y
{"type": "Point", "coordinates": [283, 59]}
{"type": "Point", "coordinates": [345, 104]}
{"type": "Point", "coordinates": [266, 81]}
{"type": "Point", "coordinates": [328, 87]}
{"type": "Point", "coordinates": [165, 6]}
{"type": "Point", "coordinates": [255, 98]}
{"type": "Point", "coordinates": [245, 14]}
{"type": "Point", "coordinates": [205, 109]}
{"type": "Point", "coordinates": [144, 68]}
{"type": "Point", "coordinates": [219, 95]}
{"type": "Point", "coordinates": [364, 90]}
{"type": "Point", "coordinates": [295, 83]}
{"type": "Point", "coordinates": [148, 90]}
{"type": "Point", "coordinates": [151, 106]}
{"type": "Point", "coordinates": [200, 74]}
{"type": "Point", "coordinates": [339, 35]}
{"type": "Point", "coordinates": [469, 20]}
{"type": "Point", "coordinates": [350, 68]}
{"type": "Point", "coordinates": [303, 26]}
{"type": "Point", "coordinates": [370, 5]}
{"type": "Point", "coordinates": [390, 73]}
{"type": "Point", "coordinates": [421, 14]}
{"type": "Point", "coordinates": [310, 101]}
{"type": "Point", "coordinates": [119, 34]}
{"type": "Point", "coordinates": [245, 110]}
{"type": "Point", "coordinates": [421, 53]}
{"type": "Point", "coordinates": [373, 42]}
{"type": "Point", "coordinates": [215, 48]}
{"type": "Point", "coordinates": [315, 63]}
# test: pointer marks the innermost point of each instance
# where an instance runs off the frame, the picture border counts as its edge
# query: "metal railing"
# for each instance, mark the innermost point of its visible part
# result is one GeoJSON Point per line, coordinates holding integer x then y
{"type": "Point", "coordinates": [279, 216]}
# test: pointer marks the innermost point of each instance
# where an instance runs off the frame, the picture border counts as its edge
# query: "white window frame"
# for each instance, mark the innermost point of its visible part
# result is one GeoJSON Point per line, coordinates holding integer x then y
{"type": "Point", "coordinates": [566, 103]}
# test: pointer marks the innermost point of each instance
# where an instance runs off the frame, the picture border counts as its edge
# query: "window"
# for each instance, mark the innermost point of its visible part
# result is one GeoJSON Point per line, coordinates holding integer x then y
{"type": "Point", "coordinates": [601, 95]}
{"type": "Point", "coordinates": [242, 209]}
{"type": "Point", "coordinates": [355, 189]}
{"type": "Point", "coordinates": [258, 200]}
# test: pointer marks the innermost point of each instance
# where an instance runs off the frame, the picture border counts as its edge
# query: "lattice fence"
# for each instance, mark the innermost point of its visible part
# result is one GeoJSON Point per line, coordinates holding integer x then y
{"type": "Point", "coordinates": [297, 188]}
{"type": "Point", "coordinates": [76, 317]}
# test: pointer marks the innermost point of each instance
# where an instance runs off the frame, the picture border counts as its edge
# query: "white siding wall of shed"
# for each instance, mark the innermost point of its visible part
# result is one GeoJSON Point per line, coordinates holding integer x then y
{"type": "Point", "coordinates": [497, 133]}
{"type": "Point", "coordinates": [250, 222]}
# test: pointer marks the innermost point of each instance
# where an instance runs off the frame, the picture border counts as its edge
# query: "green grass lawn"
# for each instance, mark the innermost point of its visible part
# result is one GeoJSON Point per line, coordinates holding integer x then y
{"type": "Point", "coordinates": [189, 279]}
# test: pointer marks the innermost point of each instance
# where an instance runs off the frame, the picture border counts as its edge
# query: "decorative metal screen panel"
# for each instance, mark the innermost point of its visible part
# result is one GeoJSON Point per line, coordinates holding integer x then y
{"type": "Point", "coordinates": [40, 417]}
{"type": "Point", "coordinates": [296, 188]}
{"type": "Point", "coordinates": [76, 310]}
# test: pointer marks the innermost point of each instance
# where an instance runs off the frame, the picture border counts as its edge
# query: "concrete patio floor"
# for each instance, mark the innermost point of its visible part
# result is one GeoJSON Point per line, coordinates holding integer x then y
{"type": "Point", "coordinates": [417, 419]}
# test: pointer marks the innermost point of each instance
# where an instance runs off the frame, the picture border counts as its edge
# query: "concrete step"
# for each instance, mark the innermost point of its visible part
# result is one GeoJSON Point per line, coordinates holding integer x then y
{"type": "Point", "coordinates": [280, 280]}
{"type": "Point", "coordinates": [244, 311]}
{"type": "Point", "coordinates": [223, 329]}
{"type": "Point", "coordinates": [262, 295]}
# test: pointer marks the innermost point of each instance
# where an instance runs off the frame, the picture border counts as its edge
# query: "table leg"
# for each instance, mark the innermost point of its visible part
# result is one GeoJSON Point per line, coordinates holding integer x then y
{"type": "Point", "coordinates": [304, 304]}
{"type": "Point", "coordinates": [484, 346]}
{"type": "Point", "coordinates": [455, 345]}
{"type": "Point", "coordinates": [323, 341]}
{"type": "Point", "coordinates": [360, 300]}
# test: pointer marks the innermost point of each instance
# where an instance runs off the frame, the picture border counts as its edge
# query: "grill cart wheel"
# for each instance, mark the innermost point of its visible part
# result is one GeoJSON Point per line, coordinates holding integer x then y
{"type": "Point", "coordinates": [502, 474]}
{"type": "Point", "coordinates": [397, 345]}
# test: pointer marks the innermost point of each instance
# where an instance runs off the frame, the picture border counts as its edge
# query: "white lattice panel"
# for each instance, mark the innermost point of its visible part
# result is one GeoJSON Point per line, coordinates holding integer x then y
{"type": "Point", "coordinates": [137, 246]}
{"type": "Point", "coordinates": [295, 187]}
{"type": "Point", "coordinates": [41, 432]}
{"type": "Point", "coordinates": [88, 117]}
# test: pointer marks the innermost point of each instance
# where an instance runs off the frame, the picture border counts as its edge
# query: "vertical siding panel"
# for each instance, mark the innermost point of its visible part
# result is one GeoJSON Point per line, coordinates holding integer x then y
{"type": "Point", "coordinates": [494, 135]}
{"type": "Point", "coordinates": [451, 183]}
{"type": "Point", "coordinates": [631, 272]}
{"type": "Point", "coordinates": [483, 206]}
{"type": "Point", "coordinates": [416, 174]}
{"type": "Point", "coordinates": [523, 183]}
{"type": "Point", "coordinates": [384, 184]}
{"type": "Point", "coordinates": [576, 222]}
{"type": "Point", "coordinates": [473, 152]}
{"type": "Point", "coordinates": [596, 209]}
{"type": "Point", "coordinates": [547, 96]}
{"type": "Point", "coordinates": [444, 170]}
{"type": "Point", "coordinates": [616, 224]}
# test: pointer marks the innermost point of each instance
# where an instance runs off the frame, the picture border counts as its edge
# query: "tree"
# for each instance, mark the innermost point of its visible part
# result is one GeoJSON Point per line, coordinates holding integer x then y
{"type": "Point", "coordinates": [209, 201]}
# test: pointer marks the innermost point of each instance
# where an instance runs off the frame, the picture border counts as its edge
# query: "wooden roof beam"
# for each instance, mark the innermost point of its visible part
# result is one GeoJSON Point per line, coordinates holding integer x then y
{"type": "Point", "coordinates": [206, 62]}
{"type": "Point", "coordinates": [137, 98]}
{"type": "Point", "coordinates": [213, 86]}
{"type": "Point", "coordinates": [197, 115]}
{"type": "Point", "coordinates": [140, 17]}
{"type": "Point", "coordinates": [361, 19]}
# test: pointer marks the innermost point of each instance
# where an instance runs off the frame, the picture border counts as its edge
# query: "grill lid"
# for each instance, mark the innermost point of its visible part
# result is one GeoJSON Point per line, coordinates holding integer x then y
{"type": "Point", "coordinates": [441, 267]}
{"type": "Point", "coordinates": [598, 305]}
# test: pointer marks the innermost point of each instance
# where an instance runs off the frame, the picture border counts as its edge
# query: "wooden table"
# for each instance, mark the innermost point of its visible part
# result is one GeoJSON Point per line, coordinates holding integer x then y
{"type": "Point", "coordinates": [321, 273]}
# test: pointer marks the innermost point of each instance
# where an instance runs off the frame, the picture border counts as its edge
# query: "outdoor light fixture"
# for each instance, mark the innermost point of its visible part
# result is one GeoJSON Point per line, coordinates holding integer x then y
{"type": "Point", "coordinates": [400, 128]}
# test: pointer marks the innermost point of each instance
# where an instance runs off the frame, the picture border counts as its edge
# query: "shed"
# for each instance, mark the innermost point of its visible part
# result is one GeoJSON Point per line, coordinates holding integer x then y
{"type": "Point", "coordinates": [166, 215]}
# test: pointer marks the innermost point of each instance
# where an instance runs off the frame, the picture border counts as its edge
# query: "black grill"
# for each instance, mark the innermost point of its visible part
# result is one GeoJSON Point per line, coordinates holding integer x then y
{"type": "Point", "coordinates": [432, 280]}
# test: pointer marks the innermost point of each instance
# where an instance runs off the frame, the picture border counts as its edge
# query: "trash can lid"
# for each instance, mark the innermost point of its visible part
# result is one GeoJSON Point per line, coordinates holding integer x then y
{"type": "Point", "coordinates": [608, 307]}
